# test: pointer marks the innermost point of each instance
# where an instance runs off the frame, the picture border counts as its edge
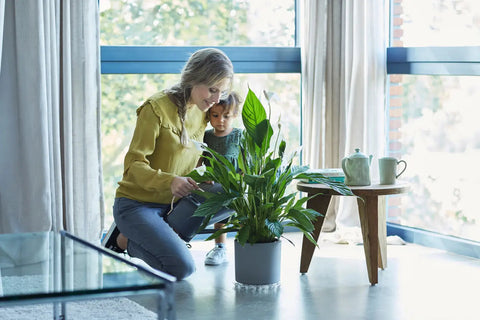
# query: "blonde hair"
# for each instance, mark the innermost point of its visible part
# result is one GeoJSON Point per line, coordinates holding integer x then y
{"type": "Point", "coordinates": [206, 66]}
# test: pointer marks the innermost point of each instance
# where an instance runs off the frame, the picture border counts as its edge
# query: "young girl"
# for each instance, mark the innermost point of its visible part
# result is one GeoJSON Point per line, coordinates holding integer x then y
{"type": "Point", "coordinates": [224, 139]}
{"type": "Point", "coordinates": [160, 156]}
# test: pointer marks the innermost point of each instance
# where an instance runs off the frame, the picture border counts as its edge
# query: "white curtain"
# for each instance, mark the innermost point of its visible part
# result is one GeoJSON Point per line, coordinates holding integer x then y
{"type": "Point", "coordinates": [344, 72]}
{"type": "Point", "coordinates": [50, 105]}
{"type": "Point", "coordinates": [313, 50]}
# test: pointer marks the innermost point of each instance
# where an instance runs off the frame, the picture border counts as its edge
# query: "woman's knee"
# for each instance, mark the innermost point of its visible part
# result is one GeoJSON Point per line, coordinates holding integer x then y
{"type": "Point", "coordinates": [181, 268]}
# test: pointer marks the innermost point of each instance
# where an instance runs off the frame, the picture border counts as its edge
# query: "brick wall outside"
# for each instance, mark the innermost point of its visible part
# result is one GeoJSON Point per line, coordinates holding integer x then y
{"type": "Point", "coordinates": [395, 109]}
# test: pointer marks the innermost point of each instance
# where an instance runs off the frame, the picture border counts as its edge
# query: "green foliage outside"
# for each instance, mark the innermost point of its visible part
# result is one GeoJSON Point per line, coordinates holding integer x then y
{"type": "Point", "coordinates": [197, 22]}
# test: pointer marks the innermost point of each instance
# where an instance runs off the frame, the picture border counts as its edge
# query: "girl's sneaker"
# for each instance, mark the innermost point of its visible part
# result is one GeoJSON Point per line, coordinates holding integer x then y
{"type": "Point", "coordinates": [217, 255]}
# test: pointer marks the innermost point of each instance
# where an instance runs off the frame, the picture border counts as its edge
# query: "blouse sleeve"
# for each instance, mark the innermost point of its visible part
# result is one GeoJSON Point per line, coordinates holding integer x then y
{"type": "Point", "coordinates": [137, 165]}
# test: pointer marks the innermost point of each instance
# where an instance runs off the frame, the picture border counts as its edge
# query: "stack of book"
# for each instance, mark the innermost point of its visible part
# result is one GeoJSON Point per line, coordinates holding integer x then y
{"type": "Point", "coordinates": [335, 174]}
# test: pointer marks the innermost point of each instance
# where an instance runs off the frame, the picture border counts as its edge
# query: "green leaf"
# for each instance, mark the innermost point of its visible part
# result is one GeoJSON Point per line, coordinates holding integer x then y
{"type": "Point", "coordinates": [243, 234]}
{"type": "Point", "coordinates": [289, 197]}
{"type": "Point", "coordinates": [195, 175]}
{"type": "Point", "coordinates": [305, 233]}
{"type": "Point", "coordinates": [273, 164]}
{"type": "Point", "coordinates": [320, 178]}
{"type": "Point", "coordinates": [275, 227]}
{"type": "Point", "coordinates": [221, 231]}
{"type": "Point", "coordinates": [296, 170]}
{"type": "Point", "coordinates": [301, 219]}
{"type": "Point", "coordinates": [312, 214]}
{"type": "Point", "coordinates": [253, 112]}
{"type": "Point", "coordinates": [212, 204]}
{"type": "Point", "coordinates": [219, 161]}
{"type": "Point", "coordinates": [281, 148]}
{"type": "Point", "coordinates": [262, 135]}
{"type": "Point", "coordinates": [256, 182]}
{"type": "Point", "coordinates": [308, 235]}
{"type": "Point", "coordinates": [303, 200]}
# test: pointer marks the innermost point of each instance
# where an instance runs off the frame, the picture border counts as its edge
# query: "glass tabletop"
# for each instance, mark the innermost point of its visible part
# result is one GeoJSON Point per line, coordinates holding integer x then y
{"type": "Point", "coordinates": [36, 266]}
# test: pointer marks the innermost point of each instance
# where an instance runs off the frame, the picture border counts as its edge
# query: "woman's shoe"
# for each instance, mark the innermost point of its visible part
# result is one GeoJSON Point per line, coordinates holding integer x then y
{"type": "Point", "coordinates": [110, 239]}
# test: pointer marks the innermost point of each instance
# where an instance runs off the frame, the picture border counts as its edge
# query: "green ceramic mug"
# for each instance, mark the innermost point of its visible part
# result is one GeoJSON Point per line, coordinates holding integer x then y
{"type": "Point", "coordinates": [388, 169]}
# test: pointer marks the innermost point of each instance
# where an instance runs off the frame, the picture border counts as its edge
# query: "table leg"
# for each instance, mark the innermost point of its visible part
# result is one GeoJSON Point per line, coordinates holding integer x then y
{"type": "Point", "coordinates": [382, 232]}
{"type": "Point", "coordinates": [319, 204]}
{"type": "Point", "coordinates": [368, 211]}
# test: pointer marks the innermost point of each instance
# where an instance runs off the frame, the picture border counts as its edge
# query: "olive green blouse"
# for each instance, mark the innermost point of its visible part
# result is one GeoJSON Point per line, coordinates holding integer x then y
{"type": "Point", "coordinates": [155, 155]}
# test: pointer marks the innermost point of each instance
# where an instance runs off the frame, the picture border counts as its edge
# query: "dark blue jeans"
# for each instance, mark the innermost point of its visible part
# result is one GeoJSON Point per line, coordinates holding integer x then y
{"type": "Point", "coordinates": [151, 239]}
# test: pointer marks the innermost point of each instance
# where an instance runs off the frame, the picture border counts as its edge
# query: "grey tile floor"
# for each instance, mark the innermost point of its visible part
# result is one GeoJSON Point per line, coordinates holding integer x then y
{"type": "Point", "coordinates": [418, 283]}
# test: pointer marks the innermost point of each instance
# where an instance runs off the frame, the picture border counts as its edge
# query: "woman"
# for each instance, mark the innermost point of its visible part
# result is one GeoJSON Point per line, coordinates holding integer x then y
{"type": "Point", "coordinates": [161, 153]}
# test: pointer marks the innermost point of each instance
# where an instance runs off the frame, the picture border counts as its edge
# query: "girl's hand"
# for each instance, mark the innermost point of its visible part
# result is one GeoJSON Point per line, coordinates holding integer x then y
{"type": "Point", "coordinates": [182, 186]}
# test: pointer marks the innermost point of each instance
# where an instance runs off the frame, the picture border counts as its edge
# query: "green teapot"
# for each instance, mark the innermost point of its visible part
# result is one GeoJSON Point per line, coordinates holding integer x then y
{"type": "Point", "coordinates": [357, 169]}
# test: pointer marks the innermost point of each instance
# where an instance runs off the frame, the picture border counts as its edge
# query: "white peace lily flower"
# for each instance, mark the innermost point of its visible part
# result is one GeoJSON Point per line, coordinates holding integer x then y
{"type": "Point", "coordinates": [200, 146]}
{"type": "Point", "coordinates": [201, 170]}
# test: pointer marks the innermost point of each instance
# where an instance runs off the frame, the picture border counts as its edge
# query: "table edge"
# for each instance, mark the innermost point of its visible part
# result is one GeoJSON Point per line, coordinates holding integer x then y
{"type": "Point", "coordinates": [374, 189]}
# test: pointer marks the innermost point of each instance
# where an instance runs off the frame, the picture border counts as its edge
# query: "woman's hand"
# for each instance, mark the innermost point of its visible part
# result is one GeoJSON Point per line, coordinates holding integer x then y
{"type": "Point", "coordinates": [182, 186]}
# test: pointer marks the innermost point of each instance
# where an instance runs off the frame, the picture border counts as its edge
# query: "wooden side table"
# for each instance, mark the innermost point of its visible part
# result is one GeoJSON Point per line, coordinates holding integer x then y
{"type": "Point", "coordinates": [372, 220]}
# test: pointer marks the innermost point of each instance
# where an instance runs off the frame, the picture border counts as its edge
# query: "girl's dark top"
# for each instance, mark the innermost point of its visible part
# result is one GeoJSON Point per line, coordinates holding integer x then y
{"type": "Point", "coordinates": [226, 145]}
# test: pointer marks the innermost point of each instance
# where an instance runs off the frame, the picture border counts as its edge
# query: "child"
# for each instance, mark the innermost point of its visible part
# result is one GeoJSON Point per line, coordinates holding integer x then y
{"type": "Point", "coordinates": [224, 139]}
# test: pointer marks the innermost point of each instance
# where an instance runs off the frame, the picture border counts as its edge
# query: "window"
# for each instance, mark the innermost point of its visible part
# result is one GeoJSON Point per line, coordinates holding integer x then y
{"type": "Point", "coordinates": [146, 43]}
{"type": "Point", "coordinates": [434, 75]}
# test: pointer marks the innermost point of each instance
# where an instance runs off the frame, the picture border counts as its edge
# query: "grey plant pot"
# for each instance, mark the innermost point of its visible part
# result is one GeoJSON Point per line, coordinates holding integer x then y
{"type": "Point", "coordinates": [258, 264]}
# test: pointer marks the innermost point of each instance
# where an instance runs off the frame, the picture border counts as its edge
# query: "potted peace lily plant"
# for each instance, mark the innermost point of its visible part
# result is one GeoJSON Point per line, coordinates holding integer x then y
{"type": "Point", "coordinates": [258, 195]}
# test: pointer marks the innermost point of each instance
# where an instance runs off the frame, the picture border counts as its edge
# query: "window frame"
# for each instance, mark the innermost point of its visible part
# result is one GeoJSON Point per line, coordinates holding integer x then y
{"type": "Point", "coordinates": [170, 59]}
{"type": "Point", "coordinates": [462, 61]}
